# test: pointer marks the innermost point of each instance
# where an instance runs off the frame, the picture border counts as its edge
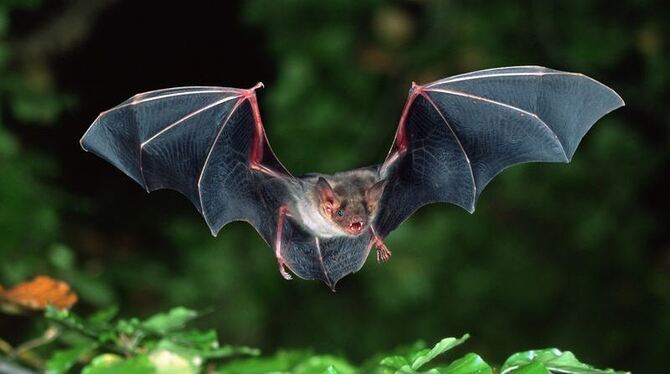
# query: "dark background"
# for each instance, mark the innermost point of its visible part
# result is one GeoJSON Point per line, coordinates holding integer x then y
{"type": "Point", "coordinates": [575, 256]}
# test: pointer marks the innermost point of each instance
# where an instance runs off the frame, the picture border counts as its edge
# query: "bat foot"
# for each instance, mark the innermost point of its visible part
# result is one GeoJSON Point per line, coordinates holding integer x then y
{"type": "Point", "coordinates": [383, 253]}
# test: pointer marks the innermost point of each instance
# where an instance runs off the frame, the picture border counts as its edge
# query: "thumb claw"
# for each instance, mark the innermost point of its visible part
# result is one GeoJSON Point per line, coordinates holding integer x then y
{"type": "Point", "coordinates": [286, 275]}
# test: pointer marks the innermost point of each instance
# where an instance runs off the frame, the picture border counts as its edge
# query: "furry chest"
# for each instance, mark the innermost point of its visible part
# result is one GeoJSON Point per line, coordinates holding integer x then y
{"type": "Point", "coordinates": [309, 216]}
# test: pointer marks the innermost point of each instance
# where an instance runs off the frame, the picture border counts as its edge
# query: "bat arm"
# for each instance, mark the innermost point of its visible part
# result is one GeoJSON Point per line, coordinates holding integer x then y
{"type": "Point", "coordinates": [400, 142]}
{"type": "Point", "coordinates": [259, 134]}
{"type": "Point", "coordinates": [260, 138]}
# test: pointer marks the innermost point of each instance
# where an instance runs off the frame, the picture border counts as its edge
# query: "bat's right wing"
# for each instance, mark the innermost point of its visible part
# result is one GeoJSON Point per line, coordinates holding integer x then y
{"type": "Point", "coordinates": [456, 134]}
{"type": "Point", "coordinates": [206, 142]}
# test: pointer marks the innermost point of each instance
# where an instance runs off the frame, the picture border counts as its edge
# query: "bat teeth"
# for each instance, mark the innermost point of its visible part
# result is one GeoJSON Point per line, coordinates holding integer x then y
{"type": "Point", "coordinates": [356, 227]}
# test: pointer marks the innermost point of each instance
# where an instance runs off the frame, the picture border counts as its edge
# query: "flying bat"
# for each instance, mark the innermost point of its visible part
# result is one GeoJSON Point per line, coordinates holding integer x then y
{"type": "Point", "coordinates": [453, 137]}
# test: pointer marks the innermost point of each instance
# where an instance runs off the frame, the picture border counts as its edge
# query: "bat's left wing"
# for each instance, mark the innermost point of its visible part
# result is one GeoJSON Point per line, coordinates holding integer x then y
{"type": "Point", "coordinates": [206, 142]}
{"type": "Point", "coordinates": [456, 134]}
{"type": "Point", "coordinates": [209, 144]}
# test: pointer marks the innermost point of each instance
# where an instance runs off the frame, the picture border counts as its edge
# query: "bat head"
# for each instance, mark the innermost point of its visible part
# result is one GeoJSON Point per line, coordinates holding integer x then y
{"type": "Point", "coordinates": [350, 209]}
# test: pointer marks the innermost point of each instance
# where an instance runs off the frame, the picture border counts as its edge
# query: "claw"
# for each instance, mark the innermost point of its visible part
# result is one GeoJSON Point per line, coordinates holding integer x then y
{"type": "Point", "coordinates": [383, 253]}
{"type": "Point", "coordinates": [282, 270]}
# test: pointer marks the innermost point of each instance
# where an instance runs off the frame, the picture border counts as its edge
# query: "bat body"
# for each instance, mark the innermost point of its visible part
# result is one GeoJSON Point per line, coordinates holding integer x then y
{"type": "Point", "coordinates": [351, 206]}
{"type": "Point", "coordinates": [453, 137]}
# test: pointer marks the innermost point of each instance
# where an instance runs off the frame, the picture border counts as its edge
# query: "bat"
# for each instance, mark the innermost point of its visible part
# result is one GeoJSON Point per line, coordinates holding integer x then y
{"type": "Point", "coordinates": [453, 137]}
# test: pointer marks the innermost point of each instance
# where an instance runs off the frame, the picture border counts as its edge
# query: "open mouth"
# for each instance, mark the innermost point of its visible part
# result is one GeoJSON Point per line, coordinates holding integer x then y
{"type": "Point", "coordinates": [356, 227]}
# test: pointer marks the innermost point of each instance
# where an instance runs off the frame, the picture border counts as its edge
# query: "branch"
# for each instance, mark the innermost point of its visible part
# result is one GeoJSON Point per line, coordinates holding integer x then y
{"type": "Point", "coordinates": [62, 32]}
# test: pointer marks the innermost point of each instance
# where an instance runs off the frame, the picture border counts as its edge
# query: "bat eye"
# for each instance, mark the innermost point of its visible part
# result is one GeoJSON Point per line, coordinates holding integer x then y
{"type": "Point", "coordinates": [340, 212]}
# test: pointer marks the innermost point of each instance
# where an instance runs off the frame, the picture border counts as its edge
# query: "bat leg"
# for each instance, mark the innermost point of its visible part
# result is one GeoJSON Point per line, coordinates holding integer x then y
{"type": "Point", "coordinates": [280, 229]}
{"type": "Point", "coordinates": [383, 253]}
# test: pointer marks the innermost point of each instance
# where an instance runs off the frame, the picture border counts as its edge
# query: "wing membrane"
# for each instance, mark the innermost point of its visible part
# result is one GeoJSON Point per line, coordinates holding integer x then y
{"type": "Point", "coordinates": [195, 140]}
{"type": "Point", "coordinates": [499, 117]}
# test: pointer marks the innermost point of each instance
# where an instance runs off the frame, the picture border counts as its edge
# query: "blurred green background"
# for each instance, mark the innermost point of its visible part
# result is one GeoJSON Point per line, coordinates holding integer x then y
{"type": "Point", "coordinates": [575, 256]}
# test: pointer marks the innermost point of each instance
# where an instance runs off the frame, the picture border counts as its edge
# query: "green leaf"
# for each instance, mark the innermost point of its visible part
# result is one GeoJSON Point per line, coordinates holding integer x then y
{"type": "Point", "coordinates": [165, 322]}
{"type": "Point", "coordinates": [166, 350]}
{"type": "Point", "coordinates": [406, 370]}
{"type": "Point", "coordinates": [290, 362]}
{"type": "Point", "coordinates": [281, 362]}
{"type": "Point", "coordinates": [187, 358]}
{"type": "Point", "coordinates": [207, 344]}
{"type": "Point", "coordinates": [128, 326]}
{"type": "Point", "coordinates": [441, 347]}
{"type": "Point", "coordinates": [319, 364]}
{"type": "Point", "coordinates": [203, 344]}
{"type": "Point", "coordinates": [331, 370]}
{"type": "Point", "coordinates": [61, 361]}
{"type": "Point", "coordinates": [554, 360]}
{"type": "Point", "coordinates": [57, 314]}
{"type": "Point", "coordinates": [168, 361]}
{"type": "Point", "coordinates": [229, 351]}
{"type": "Point", "coordinates": [394, 362]}
{"type": "Point", "coordinates": [93, 327]}
{"type": "Point", "coordinates": [468, 364]}
{"type": "Point", "coordinates": [203, 341]}
{"type": "Point", "coordinates": [113, 364]}
{"type": "Point", "coordinates": [70, 320]}
{"type": "Point", "coordinates": [104, 315]}
{"type": "Point", "coordinates": [532, 368]}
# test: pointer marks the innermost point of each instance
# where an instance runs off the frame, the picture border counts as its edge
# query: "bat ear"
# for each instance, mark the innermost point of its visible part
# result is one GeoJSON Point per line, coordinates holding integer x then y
{"type": "Point", "coordinates": [374, 193]}
{"type": "Point", "coordinates": [326, 193]}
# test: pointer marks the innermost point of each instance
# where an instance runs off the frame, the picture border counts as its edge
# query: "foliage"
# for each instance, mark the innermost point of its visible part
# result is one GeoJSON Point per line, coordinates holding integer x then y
{"type": "Point", "coordinates": [101, 344]}
{"type": "Point", "coordinates": [160, 343]}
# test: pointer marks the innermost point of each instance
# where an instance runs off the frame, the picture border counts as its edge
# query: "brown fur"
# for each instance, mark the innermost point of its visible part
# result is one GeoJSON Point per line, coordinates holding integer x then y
{"type": "Point", "coordinates": [349, 199]}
